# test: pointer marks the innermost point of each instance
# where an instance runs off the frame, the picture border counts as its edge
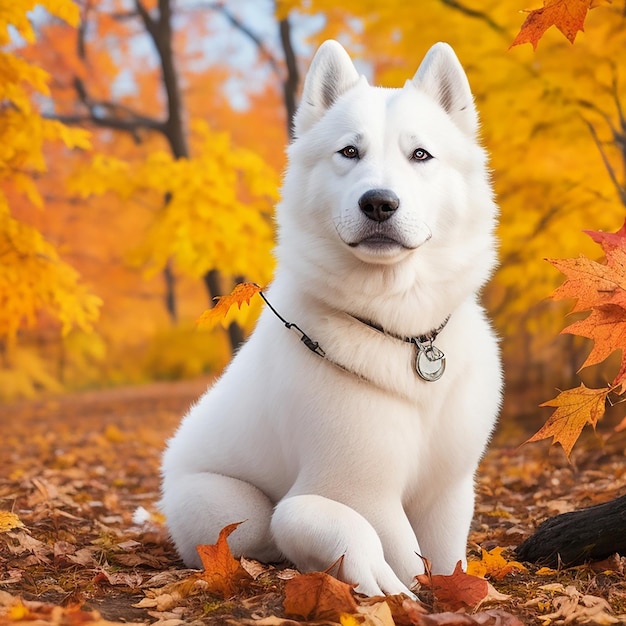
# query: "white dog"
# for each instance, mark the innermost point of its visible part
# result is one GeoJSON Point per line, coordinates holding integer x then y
{"type": "Point", "coordinates": [362, 440]}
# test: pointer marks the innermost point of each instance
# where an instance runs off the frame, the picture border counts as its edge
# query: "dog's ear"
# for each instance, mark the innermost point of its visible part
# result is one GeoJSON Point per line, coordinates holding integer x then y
{"type": "Point", "coordinates": [331, 74]}
{"type": "Point", "coordinates": [443, 78]}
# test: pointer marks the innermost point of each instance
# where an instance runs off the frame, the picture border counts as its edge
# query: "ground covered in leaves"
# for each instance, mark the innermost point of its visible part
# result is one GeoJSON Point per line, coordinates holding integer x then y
{"type": "Point", "coordinates": [81, 540]}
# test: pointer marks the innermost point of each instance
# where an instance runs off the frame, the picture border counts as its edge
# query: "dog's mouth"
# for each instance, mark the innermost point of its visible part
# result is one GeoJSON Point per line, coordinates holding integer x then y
{"type": "Point", "coordinates": [378, 240]}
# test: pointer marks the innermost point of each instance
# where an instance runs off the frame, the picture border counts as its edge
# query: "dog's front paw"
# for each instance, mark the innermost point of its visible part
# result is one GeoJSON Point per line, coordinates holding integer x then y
{"type": "Point", "coordinates": [372, 581]}
{"type": "Point", "coordinates": [315, 532]}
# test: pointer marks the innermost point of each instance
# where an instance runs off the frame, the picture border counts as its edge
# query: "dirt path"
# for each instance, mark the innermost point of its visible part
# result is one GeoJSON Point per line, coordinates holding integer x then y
{"type": "Point", "coordinates": [81, 473]}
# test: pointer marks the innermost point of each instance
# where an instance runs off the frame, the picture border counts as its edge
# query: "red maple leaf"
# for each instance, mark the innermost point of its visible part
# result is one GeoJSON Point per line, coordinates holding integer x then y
{"type": "Point", "coordinates": [567, 15]}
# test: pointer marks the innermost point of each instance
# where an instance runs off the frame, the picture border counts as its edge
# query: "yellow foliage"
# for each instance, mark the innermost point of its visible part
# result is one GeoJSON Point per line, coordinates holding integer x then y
{"type": "Point", "coordinates": [15, 14]}
{"type": "Point", "coordinates": [26, 375]}
{"type": "Point", "coordinates": [219, 207]}
{"type": "Point", "coordinates": [549, 175]}
{"type": "Point", "coordinates": [33, 278]}
{"type": "Point", "coordinates": [186, 352]}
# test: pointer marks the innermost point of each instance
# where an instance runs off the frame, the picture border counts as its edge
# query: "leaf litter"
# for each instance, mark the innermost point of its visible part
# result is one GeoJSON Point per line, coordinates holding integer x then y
{"type": "Point", "coordinates": [82, 541]}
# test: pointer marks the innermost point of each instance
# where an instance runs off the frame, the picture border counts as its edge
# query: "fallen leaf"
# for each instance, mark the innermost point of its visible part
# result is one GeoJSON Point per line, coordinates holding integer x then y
{"type": "Point", "coordinates": [254, 568]}
{"type": "Point", "coordinates": [223, 573]}
{"type": "Point", "coordinates": [567, 15]}
{"type": "Point", "coordinates": [575, 607]}
{"type": "Point", "coordinates": [318, 596]}
{"type": "Point", "coordinates": [378, 614]}
{"type": "Point", "coordinates": [574, 409]}
{"type": "Point", "coordinates": [9, 521]}
{"type": "Point", "coordinates": [457, 591]}
{"type": "Point", "coordinates": [484, 618]}
{"type": "Point", "coordinates": [493, 564]}
{"type": "Point", "coordinates": [242, 293]}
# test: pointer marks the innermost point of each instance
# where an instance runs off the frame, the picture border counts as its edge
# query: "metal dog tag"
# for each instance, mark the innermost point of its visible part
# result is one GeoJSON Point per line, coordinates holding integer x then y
{"type": "Point", "coordinates": [430, 362]}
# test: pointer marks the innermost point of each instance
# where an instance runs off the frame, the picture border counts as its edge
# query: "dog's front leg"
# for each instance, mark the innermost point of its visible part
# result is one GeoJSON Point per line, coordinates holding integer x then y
{"type": "Point", "coordinates": [444, 528]}
{"type": "Point", "coordinates": [315, 532]}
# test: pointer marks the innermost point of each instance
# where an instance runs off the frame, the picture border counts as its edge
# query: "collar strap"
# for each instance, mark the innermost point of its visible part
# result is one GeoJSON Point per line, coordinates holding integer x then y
{"type": "Point", "coordinates": [427, 338]}
{"type": "Point", "coordinates": [430, 361]}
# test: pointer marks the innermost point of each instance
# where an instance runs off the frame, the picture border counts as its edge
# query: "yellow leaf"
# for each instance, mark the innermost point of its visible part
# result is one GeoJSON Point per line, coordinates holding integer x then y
{"type": "Point", "coordinates": [9, 521]}
{"type": "Point", "coordinates": [574, 409]}
{"type": "Point", "coordinates": [493, 564]}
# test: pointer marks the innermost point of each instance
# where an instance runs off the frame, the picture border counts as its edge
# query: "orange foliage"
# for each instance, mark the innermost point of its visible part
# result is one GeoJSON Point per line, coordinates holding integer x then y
{"type": "Point", "coordinates": [602, 289]}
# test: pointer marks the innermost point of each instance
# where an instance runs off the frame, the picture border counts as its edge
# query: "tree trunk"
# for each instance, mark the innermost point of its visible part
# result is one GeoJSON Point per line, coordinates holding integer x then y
{"type": "Point", "coordinates": [170, 293]}
{"type": "Point", "coordinates": [174, 130]}
{"type": "Point", "coordinates": [291, 80]}
{"type": "Point", "coordinates": [573, 538]}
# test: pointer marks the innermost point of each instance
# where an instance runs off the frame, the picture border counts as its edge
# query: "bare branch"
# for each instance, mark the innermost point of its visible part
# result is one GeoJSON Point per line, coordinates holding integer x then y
{"type": "Point", "coordinates": [129, 125]}
{"type": "Point", "coordinates": [117, 115]}
{"type": "Point", "coordinates": [258, 42]}
{"type": "Point", "coordinates": [480, 15]}
{"type": "Point", "coordinates": [621, 191]}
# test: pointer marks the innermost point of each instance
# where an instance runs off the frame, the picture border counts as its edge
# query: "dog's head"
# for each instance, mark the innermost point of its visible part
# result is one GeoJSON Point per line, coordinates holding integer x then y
{"type": "Point", "coordinates": [388, 177]}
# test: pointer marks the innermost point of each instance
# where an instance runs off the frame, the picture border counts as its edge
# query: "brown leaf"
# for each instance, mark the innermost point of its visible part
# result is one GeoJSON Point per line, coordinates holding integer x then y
{"type": "Point", "coordinates": [222, 572]}
{"type": "Point", "coordinates": [457, 591]}
{"type": "Point", "coordinates": [484, 618]}
{"type": "Point", "coordinates": [318, 596]}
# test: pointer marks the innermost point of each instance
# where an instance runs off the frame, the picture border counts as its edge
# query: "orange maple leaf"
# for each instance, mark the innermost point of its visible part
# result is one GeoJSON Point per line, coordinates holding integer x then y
{"type": "Point", "coordinates": [607, 327]}
{"type": "Point", "coordinates": [318, 596]}
{"type": "Point", "coordinates": [592, 284]}
{"type": "Point", "coordinates": [493, 564]}
{"type": "Point", "coordinates": [567, 15]}
{"type": "Point", "coordinates": [575, 408]}
{"type": "Point", "coordinates": [242, 293]}
{"type": "Point", "coordinates": [457, 591]}
{"type": "Point", "coordinates": [601, 288]}
{"type": "Point", "coordinates": [223, 572]}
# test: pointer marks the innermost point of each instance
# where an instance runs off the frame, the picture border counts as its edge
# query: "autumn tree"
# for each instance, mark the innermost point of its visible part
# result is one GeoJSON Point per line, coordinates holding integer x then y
{"type": "Point", "coordinates": [225, 194]}
{"type": "Point", "coordinates": [535, 123]}
{"type": "Point", "coordinates": [34, 279]}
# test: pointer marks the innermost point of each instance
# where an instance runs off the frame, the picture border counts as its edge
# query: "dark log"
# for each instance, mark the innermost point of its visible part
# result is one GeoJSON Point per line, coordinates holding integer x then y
{"type": "Point", "coordinates": [577, 537]}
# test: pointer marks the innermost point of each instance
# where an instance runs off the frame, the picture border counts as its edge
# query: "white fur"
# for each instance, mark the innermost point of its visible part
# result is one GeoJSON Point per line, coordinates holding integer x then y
{"type": "Point", "coordinates": [373, 465]}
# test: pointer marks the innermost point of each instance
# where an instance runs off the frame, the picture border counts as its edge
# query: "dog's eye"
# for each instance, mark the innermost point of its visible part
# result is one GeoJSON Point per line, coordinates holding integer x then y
{"type": "Point", "coordinates": [421, 155]}
{"type": "Point", "coordinates": [350, 152]}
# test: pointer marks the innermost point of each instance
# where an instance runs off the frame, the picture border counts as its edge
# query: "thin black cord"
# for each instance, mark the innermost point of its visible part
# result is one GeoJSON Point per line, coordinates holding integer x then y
{"type": "Point", "coordinates": [304, 338]}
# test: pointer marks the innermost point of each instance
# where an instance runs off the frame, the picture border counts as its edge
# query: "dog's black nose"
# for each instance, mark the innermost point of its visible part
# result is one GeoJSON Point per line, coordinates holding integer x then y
{"type": "Point", "coordinates": [379, 204]}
